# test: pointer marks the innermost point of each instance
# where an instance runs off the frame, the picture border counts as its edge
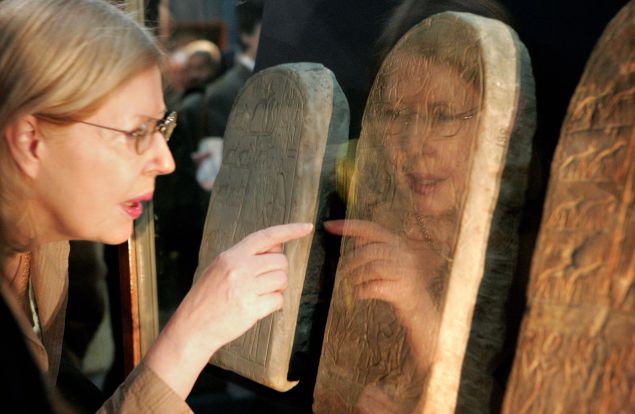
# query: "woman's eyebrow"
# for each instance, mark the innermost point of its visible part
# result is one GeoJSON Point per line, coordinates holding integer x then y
{"type": "Point", "coordinates": [157, 117]}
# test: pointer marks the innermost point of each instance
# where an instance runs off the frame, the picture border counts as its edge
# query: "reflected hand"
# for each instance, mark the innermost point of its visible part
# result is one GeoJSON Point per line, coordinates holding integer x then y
{"type": "Point", "coordinates": [385, 266]}
{"type": "Point", "coordinates": [243, 285]}
{"type": "Point", "coordinates": [374, 400]}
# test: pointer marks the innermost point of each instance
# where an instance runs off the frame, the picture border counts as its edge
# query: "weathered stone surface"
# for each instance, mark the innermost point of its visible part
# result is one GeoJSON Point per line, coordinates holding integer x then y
{"type": "Point", "coordinates": [278, 167]}
{"type": "Point", "coordinates": [430, 244]}
{"type": "Point", "coordinates": [576, 350]}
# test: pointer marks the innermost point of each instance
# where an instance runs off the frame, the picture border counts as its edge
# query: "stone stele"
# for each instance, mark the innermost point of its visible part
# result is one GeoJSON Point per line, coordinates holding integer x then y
{"type": "Point", "coordinates": [430, 241]}
{"type": "Point", "coordinates": [278, 167]}
{"type": "Point", "coordinates": [576, 349]}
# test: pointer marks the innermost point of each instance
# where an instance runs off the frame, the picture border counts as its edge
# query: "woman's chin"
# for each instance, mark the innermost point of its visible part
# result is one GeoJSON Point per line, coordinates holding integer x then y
{"type": "Point", "coordinates": [431, 205]}
{"type": "Point", "coordinates": [432, 209]}
{"type": "Point", "coordinates": [116, 241]}
{"type": "Point", "coordinates": [117, 237]}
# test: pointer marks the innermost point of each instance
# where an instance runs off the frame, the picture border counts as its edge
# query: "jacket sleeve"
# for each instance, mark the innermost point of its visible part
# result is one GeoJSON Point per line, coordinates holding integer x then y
{"type": "Point", "coordinates": [144, 392]}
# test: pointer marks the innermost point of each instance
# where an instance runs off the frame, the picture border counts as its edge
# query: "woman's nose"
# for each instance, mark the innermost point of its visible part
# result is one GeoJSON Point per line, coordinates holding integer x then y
{"type": "Point", "coordinates": [160, 160]}
{"type": "Point", "coordinates": [419, 136]}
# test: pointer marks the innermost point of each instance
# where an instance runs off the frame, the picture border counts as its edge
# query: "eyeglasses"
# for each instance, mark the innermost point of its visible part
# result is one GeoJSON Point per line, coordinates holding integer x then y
{"type": "Point", "coordinates": [142, 135]}
{"type": "Point", "coordinates": [443, 122]}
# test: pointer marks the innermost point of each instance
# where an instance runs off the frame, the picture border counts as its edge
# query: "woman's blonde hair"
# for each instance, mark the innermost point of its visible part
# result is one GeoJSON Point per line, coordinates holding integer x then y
{"type": "Point", "coordinates": [60, 60]}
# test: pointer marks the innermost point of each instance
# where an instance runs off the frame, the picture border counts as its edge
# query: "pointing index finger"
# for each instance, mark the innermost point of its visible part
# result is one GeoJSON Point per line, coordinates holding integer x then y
{"type": "Point", "coordinates": [359, 228]}
{"type": "Point", "coordinates": [265, 240]}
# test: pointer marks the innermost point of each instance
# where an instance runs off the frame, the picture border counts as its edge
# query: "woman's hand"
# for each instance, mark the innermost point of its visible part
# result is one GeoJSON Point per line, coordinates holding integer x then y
{"type": "Point", "coordinates": [243, 285]}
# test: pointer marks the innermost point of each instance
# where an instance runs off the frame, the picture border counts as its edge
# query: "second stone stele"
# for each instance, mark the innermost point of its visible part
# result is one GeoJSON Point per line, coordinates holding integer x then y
{"type": "Point", "coordinates": [278, 167]}
{"type": "Point", "coordinates": [431, 234]}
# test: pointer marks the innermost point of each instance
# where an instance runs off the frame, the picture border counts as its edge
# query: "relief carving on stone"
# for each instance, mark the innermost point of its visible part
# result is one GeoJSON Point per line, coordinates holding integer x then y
{"type": "Point", "coordinates": [278, 167]}
{"type": "Point", "coordinates": [576, 350]}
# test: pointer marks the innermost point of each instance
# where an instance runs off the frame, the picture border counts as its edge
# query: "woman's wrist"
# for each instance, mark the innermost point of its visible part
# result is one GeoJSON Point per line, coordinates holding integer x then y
{"type": "Point", "coordinates": [177, 358]}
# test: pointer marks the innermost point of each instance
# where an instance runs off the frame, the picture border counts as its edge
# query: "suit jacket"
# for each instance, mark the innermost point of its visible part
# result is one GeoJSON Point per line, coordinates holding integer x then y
{"type": "Point", "coordinates": [220, 96]}
{"type": "Point", "coordinates": [141, 392]}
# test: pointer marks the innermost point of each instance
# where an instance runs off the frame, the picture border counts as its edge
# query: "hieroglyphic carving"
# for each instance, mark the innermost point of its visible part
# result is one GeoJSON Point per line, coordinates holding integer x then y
{"type": "Point", "coordinates": [576, 350]}
{"type": "Point", "coordinates": [278, 167]}
{"type": "Point", "coordinates": [431, 230]}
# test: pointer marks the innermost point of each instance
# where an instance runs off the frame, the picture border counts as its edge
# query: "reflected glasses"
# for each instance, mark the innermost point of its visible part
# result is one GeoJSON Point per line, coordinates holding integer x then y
{"type": "Point", "coordinates": [142, 135]}
{"type": "Point", "coordinates": [443, 122]}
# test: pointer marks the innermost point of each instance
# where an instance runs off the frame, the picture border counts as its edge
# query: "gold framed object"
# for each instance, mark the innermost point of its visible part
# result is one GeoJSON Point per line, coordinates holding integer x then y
{"type": "Point", "coordinates": [138, 276]}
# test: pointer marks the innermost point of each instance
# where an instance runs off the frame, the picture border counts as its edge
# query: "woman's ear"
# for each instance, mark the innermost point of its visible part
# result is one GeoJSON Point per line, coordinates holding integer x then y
{"type": "Point", "coordinates": [23, 139]}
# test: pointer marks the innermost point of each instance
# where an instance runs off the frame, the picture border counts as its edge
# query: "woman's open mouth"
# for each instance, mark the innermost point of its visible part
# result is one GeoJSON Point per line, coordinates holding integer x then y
{"type": "Point", "coordinates": [424, 184]}
{"type": "Point", "coordinates": [134, 207]}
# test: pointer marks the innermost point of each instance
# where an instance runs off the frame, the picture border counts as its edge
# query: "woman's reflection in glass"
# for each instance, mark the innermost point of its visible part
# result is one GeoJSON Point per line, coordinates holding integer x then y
{"type": "Point", "coordinates": [415, 154]}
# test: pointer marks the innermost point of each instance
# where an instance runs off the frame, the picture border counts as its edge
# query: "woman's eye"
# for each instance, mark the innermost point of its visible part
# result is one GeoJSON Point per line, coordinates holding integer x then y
{"type": "Point", "coordinates": [386, 112]}
{"type": "Point", "coordinates": [387, 109]}
{"type": "Point", "coordinates": [141, 131]}
{"type": "Point", "coordinates": [137, 133]}
{"type": "Point", "coordinates": [443, 114]}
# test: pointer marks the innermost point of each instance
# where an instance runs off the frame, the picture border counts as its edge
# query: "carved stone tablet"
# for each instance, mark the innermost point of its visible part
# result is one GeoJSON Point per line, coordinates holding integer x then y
{"type": "Point", "coordinates": [576, 350]}
{"type": "Point", "coordinates": [278, 167]}
{"type": "Point", "coordinates": [431, 231]}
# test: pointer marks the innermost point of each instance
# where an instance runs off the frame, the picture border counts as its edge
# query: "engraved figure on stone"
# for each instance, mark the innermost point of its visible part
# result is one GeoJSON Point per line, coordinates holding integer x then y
{"type": "Point", "coordinates": [413, 161]}
{"type": "Point", "coordinates": [254, 191]}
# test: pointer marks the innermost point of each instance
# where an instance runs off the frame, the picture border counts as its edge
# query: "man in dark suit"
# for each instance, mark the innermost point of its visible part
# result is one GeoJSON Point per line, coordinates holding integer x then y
{"type": "Point", "coordinates": [181, 199]}
{"type": "Point", "coordinates": [220, 94]}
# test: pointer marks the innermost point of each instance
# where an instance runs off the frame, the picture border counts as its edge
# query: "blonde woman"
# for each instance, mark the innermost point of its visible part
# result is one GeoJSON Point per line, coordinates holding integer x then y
{"type": "Point", "coordinates": [82, 138]}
